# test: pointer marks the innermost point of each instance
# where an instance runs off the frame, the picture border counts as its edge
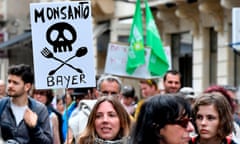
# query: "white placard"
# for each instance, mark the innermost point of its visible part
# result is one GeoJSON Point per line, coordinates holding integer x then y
{"type": "Point", "coordinates": [236, 28]}
{"type": "Point", "coordinates": [62, 44]}
{"type": "Point", "coordinates": [117, 58]}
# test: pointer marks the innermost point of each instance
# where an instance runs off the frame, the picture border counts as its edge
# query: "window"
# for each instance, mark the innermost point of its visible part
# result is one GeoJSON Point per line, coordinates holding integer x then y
{"type": "Point", "coordinates": [237, 70]}
{"type": "Point", "coordinates": [182, 50]}
{"type": "Point", "coordinates": [213, 56]}
{"type": "Point", "coordinates": [123, 39]}
{"type": "Point", "coordinates": [102, 41]}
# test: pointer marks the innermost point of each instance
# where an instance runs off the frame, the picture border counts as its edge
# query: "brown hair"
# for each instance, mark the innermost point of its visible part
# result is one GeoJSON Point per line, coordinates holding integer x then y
{"type": "Point", "coordinates": [150, 82]}
{"type": "Point", "coordinates": [220, 89]}
{"type": "Point", "coordinates": [47, 92]}
{"type": "Point", "coordinates": [89, 134]}
{"type": "Point", "coordinates": [222, 107]}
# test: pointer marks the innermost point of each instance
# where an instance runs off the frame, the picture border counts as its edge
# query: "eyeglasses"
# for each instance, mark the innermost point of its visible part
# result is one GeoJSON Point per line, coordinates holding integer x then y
{"type": "Point", "coordinates": [39, 94]}
{"type": "Point", "coordinates": [106, 93]}
{"type": "Point", "coordinates": [182, 122]}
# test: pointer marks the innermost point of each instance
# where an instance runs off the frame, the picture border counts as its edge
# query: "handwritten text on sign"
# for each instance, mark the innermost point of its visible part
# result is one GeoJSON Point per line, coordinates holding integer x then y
{"type": "Point", "coordinates": [62, 44]}
{"type": "Point", "coordinates": [117, 58]}
{"type": "Point", "coordinates": [116, 62]}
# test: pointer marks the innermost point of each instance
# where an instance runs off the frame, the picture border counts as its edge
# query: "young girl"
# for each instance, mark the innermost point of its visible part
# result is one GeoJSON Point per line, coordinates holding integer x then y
{"type": "Point", "coordinates": [213, 118]}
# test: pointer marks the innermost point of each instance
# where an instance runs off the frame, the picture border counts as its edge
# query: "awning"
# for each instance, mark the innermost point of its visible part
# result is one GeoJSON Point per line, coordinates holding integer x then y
{"type": "Point", "coordinates": [17, 40]}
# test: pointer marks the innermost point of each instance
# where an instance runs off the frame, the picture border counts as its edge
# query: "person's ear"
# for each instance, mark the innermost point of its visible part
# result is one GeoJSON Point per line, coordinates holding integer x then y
{"type": "Point", "coordinates": [27, 87]}
{"type": "Point", "coordinates": [97, 94]}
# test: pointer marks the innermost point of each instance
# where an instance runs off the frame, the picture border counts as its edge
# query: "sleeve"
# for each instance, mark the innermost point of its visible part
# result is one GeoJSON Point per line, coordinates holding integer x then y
{"type": "Point", "coordinates": [41, 134]}
{"type": "Point", "coordinates": [55, 129]}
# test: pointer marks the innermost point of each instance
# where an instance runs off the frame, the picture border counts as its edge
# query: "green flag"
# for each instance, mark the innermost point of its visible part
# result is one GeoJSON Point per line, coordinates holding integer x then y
{"type": "Point", "coordinates": [136, 48]}
{"type": "Point", "coordinates": [158, 63]}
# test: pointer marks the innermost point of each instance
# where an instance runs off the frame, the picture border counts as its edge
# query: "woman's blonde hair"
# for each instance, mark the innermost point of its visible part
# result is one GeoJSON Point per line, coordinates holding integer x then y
{"type": "Point", "coordinates": [89, 134]}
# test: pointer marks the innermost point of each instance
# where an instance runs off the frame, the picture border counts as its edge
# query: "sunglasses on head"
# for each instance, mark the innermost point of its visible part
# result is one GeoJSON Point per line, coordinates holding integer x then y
{"type": "Point", "coordinates": [182, 122]}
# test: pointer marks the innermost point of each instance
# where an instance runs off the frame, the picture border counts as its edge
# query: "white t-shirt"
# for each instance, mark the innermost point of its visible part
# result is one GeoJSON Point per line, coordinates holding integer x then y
{"type": "Point", "coordinates": [18, 112]}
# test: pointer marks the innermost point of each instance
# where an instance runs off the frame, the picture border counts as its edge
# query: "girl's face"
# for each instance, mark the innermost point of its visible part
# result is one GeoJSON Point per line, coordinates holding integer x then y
{"type": "Point", "coordinates": [178, 133]}
{"type": "Point", "coordinates": [68, 99]}
{"type": "Point", "coordinates": [207, 121]}
{"type": "Point", "coordinates": [107, 123]}
{"type": "Point", "coordinates": [60, 106]}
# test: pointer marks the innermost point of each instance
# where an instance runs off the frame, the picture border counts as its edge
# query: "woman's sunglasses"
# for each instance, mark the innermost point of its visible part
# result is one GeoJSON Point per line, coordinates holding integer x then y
{"type": "Point", "coordinates": [182, 122]}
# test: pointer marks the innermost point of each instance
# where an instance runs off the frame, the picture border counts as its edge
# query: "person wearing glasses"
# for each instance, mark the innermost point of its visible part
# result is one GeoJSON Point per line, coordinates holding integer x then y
{"type": "Point", "coordinates": [108, 123]}
{"type": "Point", "coordinates": [107, 85]}
{"type": "Point", "coordinates": [213, 118]}
{"type": "Point", "coordinates": [163, 119]}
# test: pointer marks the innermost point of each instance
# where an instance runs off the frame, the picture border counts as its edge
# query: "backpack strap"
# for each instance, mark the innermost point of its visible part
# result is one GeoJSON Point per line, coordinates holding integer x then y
{"type": "Point", "coordinates": [3, 103]}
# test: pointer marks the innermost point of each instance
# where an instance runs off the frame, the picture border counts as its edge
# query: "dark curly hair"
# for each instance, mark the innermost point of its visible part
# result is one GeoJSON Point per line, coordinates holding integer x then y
{"type": "Point", "coordinates": [22, 70]}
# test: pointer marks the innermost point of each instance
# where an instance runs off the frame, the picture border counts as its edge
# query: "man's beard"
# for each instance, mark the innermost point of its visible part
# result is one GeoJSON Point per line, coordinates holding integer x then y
{"type": "Point", "coordinates": [14, 94]}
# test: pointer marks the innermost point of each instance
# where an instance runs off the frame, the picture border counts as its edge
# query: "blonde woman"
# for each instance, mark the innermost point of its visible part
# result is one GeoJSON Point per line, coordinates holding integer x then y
{"type": "Point", "coordinates": [108, 122]}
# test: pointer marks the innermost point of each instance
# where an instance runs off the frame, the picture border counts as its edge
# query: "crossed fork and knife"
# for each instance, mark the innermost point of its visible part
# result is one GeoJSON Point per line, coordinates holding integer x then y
{"type": "Point", "coordinates": [79, 53]}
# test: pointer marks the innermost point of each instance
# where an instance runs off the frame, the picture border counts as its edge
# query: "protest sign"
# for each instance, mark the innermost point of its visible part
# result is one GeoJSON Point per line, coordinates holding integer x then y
{"type": "Point", "coordinates": [62, 44]}
{"type": "Point", "coordinates": [117, 58]}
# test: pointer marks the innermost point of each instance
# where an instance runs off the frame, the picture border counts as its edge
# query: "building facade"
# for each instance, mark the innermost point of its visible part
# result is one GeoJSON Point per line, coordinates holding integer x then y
{"type": "Point", "coordinates": [197, 31]}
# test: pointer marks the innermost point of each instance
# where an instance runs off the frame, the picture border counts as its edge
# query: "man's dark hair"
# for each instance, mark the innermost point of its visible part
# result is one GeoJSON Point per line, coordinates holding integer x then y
{"type": "Point", "coordinates": [173, 72]}
{"type": "Point", "coordinates": [22, 70]}
{"type": "Point", "coordinates": [128, 91]}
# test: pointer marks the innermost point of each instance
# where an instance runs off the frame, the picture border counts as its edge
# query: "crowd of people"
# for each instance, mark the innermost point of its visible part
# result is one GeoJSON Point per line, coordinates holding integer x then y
{"type": "Point", "coordinates": [111, 113]}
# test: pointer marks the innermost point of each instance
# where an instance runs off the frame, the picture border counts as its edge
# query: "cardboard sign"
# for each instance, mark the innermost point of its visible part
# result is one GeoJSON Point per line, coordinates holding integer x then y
{"type": "Point", "coordinates": [62, 44]}
{"type": "Point", "coordinates": [117, 58]}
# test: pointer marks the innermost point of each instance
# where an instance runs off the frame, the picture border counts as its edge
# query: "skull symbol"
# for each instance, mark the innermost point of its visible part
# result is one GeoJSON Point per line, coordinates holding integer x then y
{"type": "Point", "coordinates": [60, 36]}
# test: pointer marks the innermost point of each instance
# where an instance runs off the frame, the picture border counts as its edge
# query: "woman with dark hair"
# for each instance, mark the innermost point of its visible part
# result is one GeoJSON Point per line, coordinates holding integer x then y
{"type": "Point", "coordinates": [163, 119]}
{"type": "Point", "coordinates": [45, 96]}
{"type": "Point", "coordinates": [220, 89]}
{"type": "Point", "coordinates": [213, 118]}
{"type": "Point", "coordinates": [60, 104]}
{"type": "Point", "coordinates": [108, 123]}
